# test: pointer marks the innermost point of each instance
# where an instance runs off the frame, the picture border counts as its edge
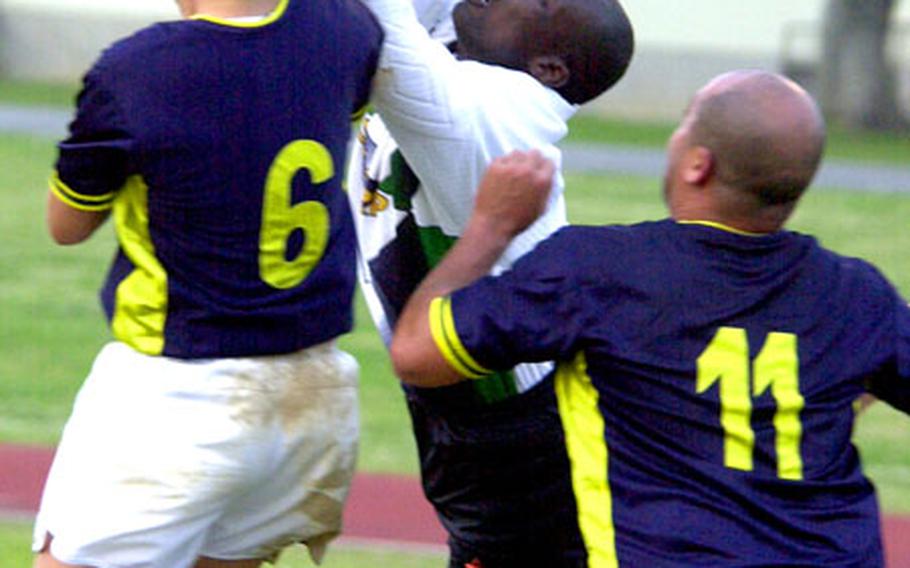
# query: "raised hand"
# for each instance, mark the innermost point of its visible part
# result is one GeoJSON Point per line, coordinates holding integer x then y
{"type": "Point", "coordinates": [514, 192]}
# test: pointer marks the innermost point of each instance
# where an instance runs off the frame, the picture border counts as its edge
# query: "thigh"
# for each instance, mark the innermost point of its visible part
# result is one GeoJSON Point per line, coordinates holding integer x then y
{"type": "Point", "coordinates": [147, 463]}
{"type": "Point", "coordinates": [542, 552]}
{"type": "Point", "coordinates": [499, 476]}
{"type": "Point", "coordinates": [303, 491]}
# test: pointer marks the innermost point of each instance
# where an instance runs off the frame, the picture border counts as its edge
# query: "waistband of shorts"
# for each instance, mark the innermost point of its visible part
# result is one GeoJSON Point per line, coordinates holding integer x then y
{"type": "Point", "coordinates": [318, 348]}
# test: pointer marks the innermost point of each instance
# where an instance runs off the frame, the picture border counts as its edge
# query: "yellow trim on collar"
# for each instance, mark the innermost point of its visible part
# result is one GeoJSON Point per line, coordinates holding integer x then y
{"type": "Point", "coordinates": [274, 16]}
{"type": "Point", "coordinates": [723, 227]}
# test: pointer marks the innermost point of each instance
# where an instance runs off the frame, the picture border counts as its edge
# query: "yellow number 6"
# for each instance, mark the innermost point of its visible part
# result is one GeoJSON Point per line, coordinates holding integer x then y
{"type": "Point", "coordinates": [280, 219]}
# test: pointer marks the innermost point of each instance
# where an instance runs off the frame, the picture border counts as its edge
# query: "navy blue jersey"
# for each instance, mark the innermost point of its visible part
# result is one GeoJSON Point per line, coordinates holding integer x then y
{"type": "Point", "coordinates": [219, 146]}
{"type": "Point", "coordinates": [706, 387]}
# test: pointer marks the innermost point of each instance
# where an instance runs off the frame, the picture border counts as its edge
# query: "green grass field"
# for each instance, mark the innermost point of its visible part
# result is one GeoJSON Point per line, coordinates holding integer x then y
{"type": "Point", "coordinates": [867, 147]}
{"type": "Point", "coordinates": [870, 147]}
{"type": "Point", "coordinates": [51, 325]}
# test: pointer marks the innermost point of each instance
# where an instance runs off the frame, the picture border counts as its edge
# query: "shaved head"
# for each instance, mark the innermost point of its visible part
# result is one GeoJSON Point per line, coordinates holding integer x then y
{"type": "Point", "coordinates": [765, 133]}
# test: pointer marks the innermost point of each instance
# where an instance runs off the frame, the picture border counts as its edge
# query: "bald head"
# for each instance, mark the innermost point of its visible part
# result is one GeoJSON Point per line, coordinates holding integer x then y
{"type": "Point", "coordinates": [765, 133]}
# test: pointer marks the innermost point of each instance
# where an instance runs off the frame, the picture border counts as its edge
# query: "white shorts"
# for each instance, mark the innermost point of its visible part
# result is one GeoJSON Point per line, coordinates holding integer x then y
{"type": "Point", "coordinates": [164, 460]}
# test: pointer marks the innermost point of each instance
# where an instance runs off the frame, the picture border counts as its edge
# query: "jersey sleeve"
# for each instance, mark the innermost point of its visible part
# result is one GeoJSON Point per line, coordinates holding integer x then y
{"type": "Point", "coordinates": [94, 160]}
{"type": "Point", "coordinates": [413, 88]}
{"type": "Point", "coordinates": [893, 385]}
{"type": "Point", "coordinates": [531, 313]}
{"type": "Point", "coordinates": [369, 33]}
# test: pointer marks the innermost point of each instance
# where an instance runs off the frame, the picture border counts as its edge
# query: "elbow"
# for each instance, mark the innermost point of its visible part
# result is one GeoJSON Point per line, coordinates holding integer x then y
{"type": "Point", "coordinates": [421, 365]}
{"type": "Point", "coordinates": [74, 228]}
{"type": "Point", "coordinates": [404, 362]}
{"type": "Point", "coordinates": [65, 237]}
{"type": "Point", "coordinates": [70, 226]}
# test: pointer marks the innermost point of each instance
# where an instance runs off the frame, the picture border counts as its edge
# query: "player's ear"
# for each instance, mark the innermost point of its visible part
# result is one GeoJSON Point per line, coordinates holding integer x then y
{"type": "Point", "coordinates": [699, 165]}
{"type": "Point", "coordinates": [551, 70]}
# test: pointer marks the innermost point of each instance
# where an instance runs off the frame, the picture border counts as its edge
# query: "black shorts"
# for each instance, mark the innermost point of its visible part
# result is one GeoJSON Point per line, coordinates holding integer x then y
{"type": "Point", "coordinates": [498, 477]}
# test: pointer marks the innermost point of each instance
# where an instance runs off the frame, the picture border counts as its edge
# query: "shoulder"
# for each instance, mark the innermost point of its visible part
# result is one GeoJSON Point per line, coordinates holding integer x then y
{"type": "Point", "coordinates": [862, 281]}
{"type": "Point", "coordinates": [151, 41]}
{"type": "Point", "coordinates": [511, 103]}
{"type": "Point", "coordinates": [510, 88]}
{"type": "Point", "coordinates": [361, 19]}
{"type": "Point", "coordinates": [578, 244]}
{"type": "Point", "coordinates": [604, 249]}
{"type": "Point", "coordinates": [866, 273]}
{"type": "Point", "coordinates": [608, 237]}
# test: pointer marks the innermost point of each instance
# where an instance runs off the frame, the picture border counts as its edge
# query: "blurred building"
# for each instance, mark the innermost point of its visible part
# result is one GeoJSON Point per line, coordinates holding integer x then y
{"type": "Point", "coordinates": [681, 43]}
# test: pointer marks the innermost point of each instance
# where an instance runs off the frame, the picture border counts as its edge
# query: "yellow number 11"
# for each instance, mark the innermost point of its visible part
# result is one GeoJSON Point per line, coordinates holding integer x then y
{"type": "Point", "coordinates": [726, 359]}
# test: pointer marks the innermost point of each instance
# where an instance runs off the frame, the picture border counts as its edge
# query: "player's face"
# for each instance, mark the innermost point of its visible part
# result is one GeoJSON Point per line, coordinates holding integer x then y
{"type": "Point", "coordinates": [494, 31]}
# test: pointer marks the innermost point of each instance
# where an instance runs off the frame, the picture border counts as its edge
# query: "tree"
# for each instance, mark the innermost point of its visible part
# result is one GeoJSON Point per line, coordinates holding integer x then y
{"type": "Point", "coordinates": [858, 83]}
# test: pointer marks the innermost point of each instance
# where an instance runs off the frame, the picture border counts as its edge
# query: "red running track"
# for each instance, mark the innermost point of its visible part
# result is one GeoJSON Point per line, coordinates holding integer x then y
{"type": "Point", "coordinates": [386, 508]}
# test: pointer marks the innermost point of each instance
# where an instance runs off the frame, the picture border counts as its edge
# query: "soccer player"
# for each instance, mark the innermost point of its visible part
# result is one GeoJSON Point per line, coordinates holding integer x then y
{"type": "Point", "coordinates": [708, 363]}
{"type": "Point", "coordinates": [492, 468]}
{"type": "Point", "coordinates": [220, 425]}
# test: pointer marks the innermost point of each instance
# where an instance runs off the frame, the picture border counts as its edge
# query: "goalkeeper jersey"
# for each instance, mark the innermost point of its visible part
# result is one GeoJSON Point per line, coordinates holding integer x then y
{"type": "Point", "coordinates": [414, 173]}
{"type": "Point", "coordinates": [401, 239]}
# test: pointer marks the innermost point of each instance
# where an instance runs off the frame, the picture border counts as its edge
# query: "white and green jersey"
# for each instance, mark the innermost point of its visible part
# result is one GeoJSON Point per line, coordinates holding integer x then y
{"type": "Point", "coordinates": [414, 173]}
{"type": "Point", "coordinates": [400, 241]}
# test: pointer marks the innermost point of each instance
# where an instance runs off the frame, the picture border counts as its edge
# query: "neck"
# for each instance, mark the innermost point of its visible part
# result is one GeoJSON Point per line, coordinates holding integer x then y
{"type": "Point", "coordinates": [769, 220]}
{"type": "Point", "coordinates": [724, 206]}
{"type": "Point", "coordinates": [227, 8]}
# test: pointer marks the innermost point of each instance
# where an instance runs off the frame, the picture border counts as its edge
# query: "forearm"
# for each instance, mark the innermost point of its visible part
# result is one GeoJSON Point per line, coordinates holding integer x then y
{"type": "Point", "coordinates": [471, 258]}
{"type": "Point", "coordinates": [414, 352]}
{"type": "Point", "coordinates": [512, 194]}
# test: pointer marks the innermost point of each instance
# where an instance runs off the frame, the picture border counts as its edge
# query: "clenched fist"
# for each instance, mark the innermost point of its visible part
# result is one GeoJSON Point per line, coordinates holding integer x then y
{"type": "Point", "coordinates": [514, 191]}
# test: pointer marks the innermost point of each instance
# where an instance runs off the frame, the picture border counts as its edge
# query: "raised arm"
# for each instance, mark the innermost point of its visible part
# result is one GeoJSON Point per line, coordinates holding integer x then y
{"type": "Point", "coordinates": [412, 89]}
{"type": "Point", "coordinates": [512, 194]}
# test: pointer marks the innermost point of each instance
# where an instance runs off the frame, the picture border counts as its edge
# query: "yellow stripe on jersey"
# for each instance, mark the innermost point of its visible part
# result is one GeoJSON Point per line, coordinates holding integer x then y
{"type": "Point", "coordinates": [141, 302]}
{"type": "Point", "coordinates": [583, 424]}
{"type": "Point", "coordinates": [77, 200]}
{"type": "Point", "coordinates": [442, 327]}
{"type": "Point", "coordinates": [275, 15]}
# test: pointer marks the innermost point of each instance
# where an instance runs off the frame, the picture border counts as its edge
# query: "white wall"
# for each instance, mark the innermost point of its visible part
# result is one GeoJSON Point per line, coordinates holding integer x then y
{"type": "Point", "coordinates": [143, 9]}
{"type": "Point", "coordinates": [680, 43]}
{"type": "Point", "coordinates": [745, 26]}
{"type": "Point", "coordinates": [728, 25]}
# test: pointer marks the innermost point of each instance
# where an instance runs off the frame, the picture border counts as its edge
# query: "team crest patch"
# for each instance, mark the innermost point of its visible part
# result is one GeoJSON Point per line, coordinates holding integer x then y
{"type": "Point", "coordinates": [373, 202]}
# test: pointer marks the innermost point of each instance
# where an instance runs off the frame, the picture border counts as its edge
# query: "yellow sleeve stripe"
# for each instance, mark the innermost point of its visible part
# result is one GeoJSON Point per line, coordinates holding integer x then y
{"type": "Point", "coordinates": [442, 327]}
{"type": "Point", "coordinates": [78, 200]}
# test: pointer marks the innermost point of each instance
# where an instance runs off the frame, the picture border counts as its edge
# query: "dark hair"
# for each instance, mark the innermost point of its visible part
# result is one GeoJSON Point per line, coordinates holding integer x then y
{"type": "Point", "coordinates": [596, 41]}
